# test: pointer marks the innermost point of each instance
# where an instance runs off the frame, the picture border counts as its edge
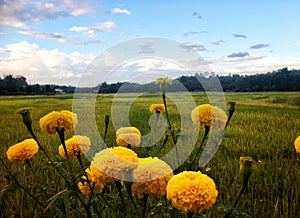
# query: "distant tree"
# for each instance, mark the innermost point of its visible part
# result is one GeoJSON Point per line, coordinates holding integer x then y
{"type": "Point", "coordinates": [11, 84]}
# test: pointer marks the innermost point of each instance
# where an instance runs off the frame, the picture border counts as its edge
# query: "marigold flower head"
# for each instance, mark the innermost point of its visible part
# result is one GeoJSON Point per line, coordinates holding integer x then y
{"type": "Point", "coordinates": [76, 145]}
{"type": "Point", "coordinates": [125, 130]}
{"type": "Point", "coordinates": [22, 151]}
{"type": "Point", "coordinates": [209, 115]}
{"type": "Point", "coordinates": [163, 80]}
{"type": "Point", "coordinates": [132, 139]}
{"type": "Point", "coordinates": [96, 176]}
{"type": "Point", "coordinates": [128, 136]}
{"type": "Point", "coordinates": [157, 108]}
{"type": "Point", "coordinates": [85, 189]}
{"type": "Point", "coordinates": [58, 120]}
{"type": "Point", "coordinates": [113, 162]}
{"type": "Point", "coordinates": [163, 83]}
{"type": "Point", "coordinates": [192, 191]}
{"type": "Point", "coordinates": [151, 177]}
{"type": "Point", "coordinates": [297, 144]}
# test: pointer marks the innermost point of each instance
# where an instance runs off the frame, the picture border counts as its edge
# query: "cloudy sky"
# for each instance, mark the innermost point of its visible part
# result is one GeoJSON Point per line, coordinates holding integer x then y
{"type": "Point", "coordinates": [55, 41]}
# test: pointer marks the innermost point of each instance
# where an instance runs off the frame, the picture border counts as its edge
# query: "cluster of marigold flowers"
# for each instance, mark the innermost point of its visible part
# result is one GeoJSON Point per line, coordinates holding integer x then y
{"type": "Point", "coordinates": [188, 191]}
{"type": "Point", "coordinates": [51, 123]}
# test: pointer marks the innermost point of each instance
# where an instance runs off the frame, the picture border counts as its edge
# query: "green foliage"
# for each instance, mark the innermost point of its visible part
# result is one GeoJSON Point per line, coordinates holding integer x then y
{"type": "Point", "coordinates": [263, 127]}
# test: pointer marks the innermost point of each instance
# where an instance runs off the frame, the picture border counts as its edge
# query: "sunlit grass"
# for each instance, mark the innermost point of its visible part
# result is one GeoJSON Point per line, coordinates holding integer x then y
{"type": "Point", "coordinates": [264, 127]}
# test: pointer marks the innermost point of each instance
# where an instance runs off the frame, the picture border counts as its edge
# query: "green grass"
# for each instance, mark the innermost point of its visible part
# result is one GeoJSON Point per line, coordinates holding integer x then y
{"type": "Point", "coordinates": [264, 126]}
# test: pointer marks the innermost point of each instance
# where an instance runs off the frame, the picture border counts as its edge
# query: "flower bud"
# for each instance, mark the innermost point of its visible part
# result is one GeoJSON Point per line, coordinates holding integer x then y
{"type": "Point", "coordinates": [26, 116]}
{"type": "Point", "coordinates": [245, 169]}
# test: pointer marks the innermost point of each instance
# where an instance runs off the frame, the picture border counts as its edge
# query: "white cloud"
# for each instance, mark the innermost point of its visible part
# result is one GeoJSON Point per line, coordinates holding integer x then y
{"type": "Point", "coordinates": [90, 30]}
{"type": "Point", "coordinates": [22, 13]}
{"type": "Point", "coordinates": [79, 11]}
{"type": "Point", "coordinates": [12, 13]}
{"type": "Point", "coordinates": [4, 50]}
{"type": "Point", "coordinates": [149, 65]}
{"type": "Point", "coordinates": [120, 11]}
{"type": "Point", "coordinates": [145, 70]}
{"type": "Point", "coordinates": [40, 65]}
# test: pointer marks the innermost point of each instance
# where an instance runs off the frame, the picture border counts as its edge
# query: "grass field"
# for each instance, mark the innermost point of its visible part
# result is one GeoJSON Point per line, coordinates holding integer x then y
{"type": "Point", "coordinates": [264, 127]}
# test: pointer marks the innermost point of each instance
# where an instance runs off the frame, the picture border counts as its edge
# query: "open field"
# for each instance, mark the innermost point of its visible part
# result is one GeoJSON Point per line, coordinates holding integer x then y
{"type": "Point", "coordinates": [264, 127]}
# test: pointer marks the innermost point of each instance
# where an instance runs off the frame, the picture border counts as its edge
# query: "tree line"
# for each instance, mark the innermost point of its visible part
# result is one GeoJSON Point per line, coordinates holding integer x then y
{"type": "Point", "coordinates": [280, 80]}
{"type": "Point", "coordinates": [17, 85]}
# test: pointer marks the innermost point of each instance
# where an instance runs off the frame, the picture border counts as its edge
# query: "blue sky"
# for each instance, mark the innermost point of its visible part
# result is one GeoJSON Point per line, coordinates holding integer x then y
{"type": "Point", "coordinates": [54, 41]}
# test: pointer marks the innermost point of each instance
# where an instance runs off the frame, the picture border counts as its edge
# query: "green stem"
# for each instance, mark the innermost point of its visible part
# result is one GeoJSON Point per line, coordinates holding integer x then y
{"type": "Point", "coordinates": [27, 161]}
{"type": "Point", "coordinates": [61, 134]}
{"type": "Point", "coordinates": [242, 189]}
{"type": "Point", "coordinates": [157, 116]}
{"type": "Point", "coordinates": [229, 118]}
{"type": "Point", "coordinates": [190, 214]}
{"type": "Point", "coordinates": [86, 176]}
{"type": "Point", "coordinates": [207, 129]}
{"type": "Point", "coordinates": [145, 198]}
{"type": "Point", "coordinates": [168, 119]}
{"type": "Point", "coordinates": [119, 187]}
{"type": "Point", "coordinates": [163, 144]}
{"type": "Point", "coordinates": [106, 126]}
{"type": "Point", "coordinates": [29, 128]}
{"type": "Point", "coordinates": [170, 127]}
{"type": "Point", "coordinates": [129, 191]}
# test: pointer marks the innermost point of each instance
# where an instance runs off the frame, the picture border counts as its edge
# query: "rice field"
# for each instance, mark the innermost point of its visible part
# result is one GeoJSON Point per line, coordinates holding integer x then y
{"type": "Point", "coordinates": [264, 126]}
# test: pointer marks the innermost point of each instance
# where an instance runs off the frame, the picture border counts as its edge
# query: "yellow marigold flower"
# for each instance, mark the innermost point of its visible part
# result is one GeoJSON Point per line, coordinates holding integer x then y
{"type": "Point", "coordinates": [128, 136]}
{"type": "Point", "coordinates": [58, 120]}
{"type": "Point", "coordinates": [163, 84]}
{"type": "Point", "coordinates": [151, 177]}
{"type": "Point", "coordinates": [125, 130]}
{"type": "Point", "coordinates": [163, 80]}
{"type": "Point", "coordinates": [113, 162]}
{"type": "Point", "coordinates": [297, 144]}
{"type": "Point", "coordinates": [22, 151]}
{"type": "Point", "coordinates": [76, 145]}
{"type": "Point", "coordinates": [209, 115]}
{"type": "Point", "coordinates": [192, 191]}
{"type": "Point", "coordinates": [96, 176]}
{"type": "Point", "coordinates": [157, 108]}
{"type": "Point", "coordinates": [132, 139]}
{"type": "Point", "coordinates": [85, 188]}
